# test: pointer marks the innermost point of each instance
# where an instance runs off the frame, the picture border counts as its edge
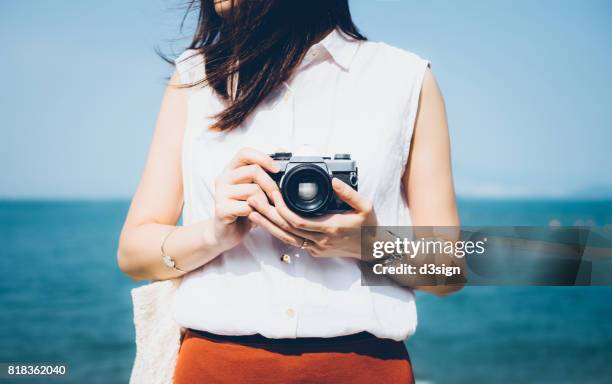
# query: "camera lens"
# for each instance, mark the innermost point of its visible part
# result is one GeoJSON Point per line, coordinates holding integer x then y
{"type": "Point", "coordinates": [307, 189]}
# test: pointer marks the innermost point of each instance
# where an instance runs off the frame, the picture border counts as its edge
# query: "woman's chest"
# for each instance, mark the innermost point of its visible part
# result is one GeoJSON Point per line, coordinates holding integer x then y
{"type": "Point", "coordinates": [326, 117]}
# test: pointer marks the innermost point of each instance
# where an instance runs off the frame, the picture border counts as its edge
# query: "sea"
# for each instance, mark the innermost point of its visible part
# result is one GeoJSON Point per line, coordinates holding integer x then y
{"type": "Point", "coordinates": [63, 300]}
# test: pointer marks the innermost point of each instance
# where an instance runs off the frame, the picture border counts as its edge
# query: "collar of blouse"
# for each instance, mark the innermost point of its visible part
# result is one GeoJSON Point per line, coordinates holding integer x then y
{"type": "Point", "coordinates": [339, 46]}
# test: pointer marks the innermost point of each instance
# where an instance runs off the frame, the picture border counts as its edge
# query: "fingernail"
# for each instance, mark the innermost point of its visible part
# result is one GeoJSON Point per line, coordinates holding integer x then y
{"type": "Point", "coordinates": [250, 201]}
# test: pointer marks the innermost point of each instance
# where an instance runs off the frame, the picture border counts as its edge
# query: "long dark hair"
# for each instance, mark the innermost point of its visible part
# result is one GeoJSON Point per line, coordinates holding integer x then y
{"type": "Point", "coordinates": [259, 43]}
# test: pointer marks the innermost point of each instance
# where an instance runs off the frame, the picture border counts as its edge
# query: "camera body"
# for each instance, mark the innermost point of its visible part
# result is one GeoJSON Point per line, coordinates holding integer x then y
{"type": "Point", "coordinates": [305, 181]}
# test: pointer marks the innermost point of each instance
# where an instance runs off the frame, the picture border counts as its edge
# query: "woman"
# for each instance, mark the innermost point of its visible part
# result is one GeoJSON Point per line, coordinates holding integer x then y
{"type": "Point", "coordinates": [266, 294]}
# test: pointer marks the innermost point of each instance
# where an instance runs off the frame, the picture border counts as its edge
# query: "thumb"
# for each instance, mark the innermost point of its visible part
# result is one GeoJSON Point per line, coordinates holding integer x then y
{"type": "Point", "coordinates": [349, 195]}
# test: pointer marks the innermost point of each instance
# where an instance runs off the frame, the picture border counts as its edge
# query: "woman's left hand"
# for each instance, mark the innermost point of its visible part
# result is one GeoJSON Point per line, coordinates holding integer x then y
{"type": "Point", "coordinates": [333, 235]}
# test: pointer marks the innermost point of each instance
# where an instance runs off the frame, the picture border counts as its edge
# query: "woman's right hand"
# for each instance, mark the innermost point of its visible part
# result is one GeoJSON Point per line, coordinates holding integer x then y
{"type": "Point", "coordinates": [243, 177]}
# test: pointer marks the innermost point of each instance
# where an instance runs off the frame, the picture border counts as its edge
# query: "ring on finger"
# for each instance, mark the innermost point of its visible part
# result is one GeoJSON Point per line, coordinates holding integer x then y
{"type": "Point", "coordinates": [305, 244]}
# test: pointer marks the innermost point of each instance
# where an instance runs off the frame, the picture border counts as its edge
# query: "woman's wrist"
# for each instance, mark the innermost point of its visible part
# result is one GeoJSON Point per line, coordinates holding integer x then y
{"type": "Point", "coordinates": [212, 241]}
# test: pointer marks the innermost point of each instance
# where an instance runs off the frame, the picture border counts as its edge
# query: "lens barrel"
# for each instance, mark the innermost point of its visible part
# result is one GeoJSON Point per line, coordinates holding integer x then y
{"type": "Point", "coordinates": [319, 188]}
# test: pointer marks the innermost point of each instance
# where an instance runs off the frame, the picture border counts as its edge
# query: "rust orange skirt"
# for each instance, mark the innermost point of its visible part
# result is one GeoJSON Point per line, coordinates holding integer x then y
{"type": "Point", "coordinates": [361, 358]}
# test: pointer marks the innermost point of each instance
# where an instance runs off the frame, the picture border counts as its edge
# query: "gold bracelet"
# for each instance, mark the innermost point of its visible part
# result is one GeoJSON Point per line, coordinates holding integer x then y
{"type": "Point", "coordinates": [169, 261]}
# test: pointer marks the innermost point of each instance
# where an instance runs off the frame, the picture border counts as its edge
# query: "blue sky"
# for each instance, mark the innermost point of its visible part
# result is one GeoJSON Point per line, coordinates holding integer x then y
{"type": "Point", "coordinates": [527, 86]}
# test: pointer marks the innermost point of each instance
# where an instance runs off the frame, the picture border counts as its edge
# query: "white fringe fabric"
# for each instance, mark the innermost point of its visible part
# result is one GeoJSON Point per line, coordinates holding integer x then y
{"type": "Point", "coordinates": [158, 336]}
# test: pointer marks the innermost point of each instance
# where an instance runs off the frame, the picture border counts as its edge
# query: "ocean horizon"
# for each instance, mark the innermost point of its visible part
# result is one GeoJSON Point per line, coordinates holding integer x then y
{"type": "Point", "coordinates": [64, 300]}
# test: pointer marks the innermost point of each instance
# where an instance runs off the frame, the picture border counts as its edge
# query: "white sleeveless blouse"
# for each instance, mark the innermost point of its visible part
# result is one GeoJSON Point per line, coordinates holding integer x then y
{"type": "Point", "coordinates": [346, 97]}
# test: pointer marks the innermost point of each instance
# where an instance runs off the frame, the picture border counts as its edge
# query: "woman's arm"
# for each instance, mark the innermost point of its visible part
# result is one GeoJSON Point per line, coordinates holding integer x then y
{"type": "Point", "coordinates": [157, 204]}
{"type": "Point", "coordinates": [428, 180]}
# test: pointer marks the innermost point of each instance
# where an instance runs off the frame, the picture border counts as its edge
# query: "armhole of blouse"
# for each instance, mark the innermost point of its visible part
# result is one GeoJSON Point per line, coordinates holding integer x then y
{"type": "Point", "coordinates": [412, 109]}
{"type": "Point", "coordinates": [190, 67]}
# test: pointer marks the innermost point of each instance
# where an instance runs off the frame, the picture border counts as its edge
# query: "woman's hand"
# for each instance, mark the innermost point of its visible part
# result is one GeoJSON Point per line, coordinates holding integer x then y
{"type": "Point", "coordinates": [244, 177]}
{"type": "Point", "coordinates": [334, 235]}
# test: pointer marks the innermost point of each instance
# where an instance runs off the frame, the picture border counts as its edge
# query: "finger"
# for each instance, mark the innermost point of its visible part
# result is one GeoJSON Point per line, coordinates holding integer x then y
{"type": "Point", "coordinates": [320, 225]}
{"type": "Point", "coordinates": [275, 231]}
{"type": "Point", "coordinates": [253, 174]}
{"type": "Point", "coordinates": [350, 196]}
{"type": "Point", "coordinates": [230, 210]}
{"type": "Point", "coordinates": [248, 156]}
{"type": "Point", "coordinates": [269, 212]}
{"type": "Point", "coordinates": [243, 191]}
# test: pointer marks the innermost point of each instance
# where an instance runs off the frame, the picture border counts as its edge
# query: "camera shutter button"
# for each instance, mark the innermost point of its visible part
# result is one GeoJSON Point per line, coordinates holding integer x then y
{"type": "Point", "coordinates": [342, 156]}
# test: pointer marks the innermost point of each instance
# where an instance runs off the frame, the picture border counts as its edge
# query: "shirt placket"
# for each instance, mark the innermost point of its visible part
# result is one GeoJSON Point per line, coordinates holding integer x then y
{"type": "Point", "coordinates": [292, 263]}
{"type": "Point", "coordinates": [293, 260]}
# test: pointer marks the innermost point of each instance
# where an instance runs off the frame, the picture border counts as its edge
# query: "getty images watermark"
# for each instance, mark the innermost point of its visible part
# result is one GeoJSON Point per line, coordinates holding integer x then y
{"type": "Point", "coordinates": [406, 249]}
{"type": "Point", "coordinates": [421, 256]}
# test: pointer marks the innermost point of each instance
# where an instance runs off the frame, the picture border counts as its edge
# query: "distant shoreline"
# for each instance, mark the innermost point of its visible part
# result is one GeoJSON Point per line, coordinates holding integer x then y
{"type": "Point", "coordinates": [460, 199]}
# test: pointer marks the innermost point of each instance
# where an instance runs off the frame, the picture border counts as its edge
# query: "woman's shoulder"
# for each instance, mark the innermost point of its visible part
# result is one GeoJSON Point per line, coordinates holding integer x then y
{"type": "Point", "coordinates": [190, 66]}
{"type": "Point", "coordinates": [383, 56]}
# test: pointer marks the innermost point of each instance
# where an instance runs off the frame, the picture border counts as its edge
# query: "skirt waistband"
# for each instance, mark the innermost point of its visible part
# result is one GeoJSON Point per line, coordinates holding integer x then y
{"type": "Point", "coordinates": [300, 341]}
